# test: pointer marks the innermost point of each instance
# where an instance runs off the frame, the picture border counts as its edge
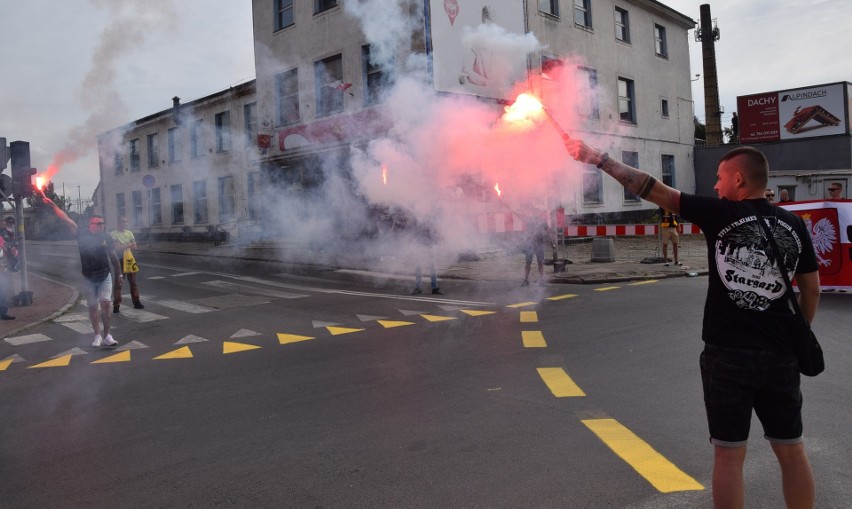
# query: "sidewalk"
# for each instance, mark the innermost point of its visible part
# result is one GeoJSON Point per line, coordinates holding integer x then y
{"type": "Point", "coordinates": [51, 298]}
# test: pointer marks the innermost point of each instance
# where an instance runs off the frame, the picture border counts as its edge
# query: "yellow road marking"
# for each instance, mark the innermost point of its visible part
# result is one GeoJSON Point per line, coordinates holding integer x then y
{"type": "Point", "coordinates": [650, 464]}
{"type": "Point", "coordinates": [55, 363]}
{"type": "Point", "coordinates": [607, 288]}
{"type": "Point", "coordinates": [119, 357]}
{"type": "Point", "coordinates": [233, 347]}
{"type": "Point", "coordinates": [559, 383]}
{"type": "Point", "coordinates": [291, 338]}
{"type": "Point", "coordinates": [533, 339]}
{"type": "Point", "coordinates": [521, 304]}
{"type": "Point", "coordinates": [529, 317]}
{"type": "Point", "coordinates": [181, 353]}
{"type": "Point", "coordinates": [337, 331]}
{"type": "Point", "coordinates": [646, 282]}
{"type": "Point", "coordinates": [561, 297]}
{"type": "Point", "coordinates": [389, 324]}
{"type": "Point", "coordinates": [476, 312]}
{"type": "Point", "coordinates": [437, 318]}
{"type": "Point", "coordinates": [5, 364]}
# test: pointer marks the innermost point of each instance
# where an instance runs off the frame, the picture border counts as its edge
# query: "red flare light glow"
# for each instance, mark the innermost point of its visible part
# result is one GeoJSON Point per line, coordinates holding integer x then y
{"type": "Point", "coordinates": [384, 175]}
{"type": "Point", "coordinates": [497, 188]}
{"type": "Point", "coordinates": [526, 110]}
{"type": "Point", "coordinates": [39, 182]}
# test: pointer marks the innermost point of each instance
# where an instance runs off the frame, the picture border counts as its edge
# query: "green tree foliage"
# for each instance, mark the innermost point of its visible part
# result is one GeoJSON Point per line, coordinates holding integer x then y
{"type": "Point", "coordinates": [47, 226]}
{"type": "Point", "coordinates": [700, 129]}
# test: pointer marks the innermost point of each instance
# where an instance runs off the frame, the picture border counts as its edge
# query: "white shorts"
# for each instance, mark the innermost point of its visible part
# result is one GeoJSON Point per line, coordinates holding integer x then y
{"type": "Point", "coordinates": [98, 292]}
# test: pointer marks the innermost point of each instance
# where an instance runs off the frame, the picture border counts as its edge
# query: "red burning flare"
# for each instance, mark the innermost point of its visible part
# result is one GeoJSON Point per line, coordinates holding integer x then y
{"type": "Point", "coordinates": [384, 175]}
{"type": "Point", "coordinates": [497, 188]}
{"type": "Point", "coordinates": [40, 182]}
{"type": "Point", "coordinates": [526, 111]}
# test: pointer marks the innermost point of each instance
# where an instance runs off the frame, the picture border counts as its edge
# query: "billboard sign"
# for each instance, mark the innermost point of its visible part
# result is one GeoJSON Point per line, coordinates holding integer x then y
{"type": "Point", "coordinates": [793, 114]}
{"type": "Point", "coordinates": [479, 47]}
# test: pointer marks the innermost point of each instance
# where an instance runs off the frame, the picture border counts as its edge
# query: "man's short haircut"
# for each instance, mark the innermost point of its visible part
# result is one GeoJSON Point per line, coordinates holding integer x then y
{"type": "Point", "coordinates": [838, 184]}
{"type": "Point", "coordinates": [754, 164]}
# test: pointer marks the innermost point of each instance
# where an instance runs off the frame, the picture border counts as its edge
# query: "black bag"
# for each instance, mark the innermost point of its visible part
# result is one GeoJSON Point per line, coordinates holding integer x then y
{"type": "Point", "coordinates": [805, 344]}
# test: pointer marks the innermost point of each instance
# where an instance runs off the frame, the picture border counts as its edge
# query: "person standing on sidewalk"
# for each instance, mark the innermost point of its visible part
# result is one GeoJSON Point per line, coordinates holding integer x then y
{"type": "Point", "coordinates": [668, 232]}
{"type": "Point", "coordinates": [748, 364]}
{"type": "Point", "coordinates": [97, 252]}
{"type": "Point", "coordinates": [125, 242]}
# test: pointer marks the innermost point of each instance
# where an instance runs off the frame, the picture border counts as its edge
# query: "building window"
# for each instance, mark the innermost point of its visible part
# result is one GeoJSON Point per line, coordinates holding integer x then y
{"type": "Point", "coordinates": [583, 13]}
{"type": "Point", "coordinates": [199, 201]}
{"type": "Point", "coordinates": [153, 151]}
{"type": "Point", "coordinates": [592, 187]}
{"type": "Point", "coordinates": [328, 75]}
{"type": "Point", "coordinates": [626, 99]}
{"type": "Point", "coordinates": [588, 88]}
{"type": "Point", "coordinates": [155, 207]}
{"type": "Point", "coordinates": [660, 45]}
{"type": "Point", "coordinates": [118, 163]}
{"type": "Point", "coordinates": [668, 170]}
{"type": "Point", "coordinates": [283, 14]}
{"type": "Point", "coordinates": [223, 131]}
{"type": "Point", "coordinates": [255, 187]}
{"type": "Point", "coordinates": [250, 118]}
{"type": "Point", "coordinates": [177, 203]}
{"type": "Point", "coordinates": [549, 7]}
{"type": "Point", "coordinates": [287, 94]}
{"type": "Point", "coordinates": [120, 206]}
{"type": "Point", "coordinates": [174, 144]}
{"type": "Point", "coordinates": [622, 25]}
{"type": "Point", "coordinates": [196, 138]}
{"type": "Point", "coordinates": [136, 198]}
{"type": "Point", "coordinates": [323, 5]}
{"type": "Point", "coordinates": [375, 76]}
{"type": "Point", "coordinates": [664, 108]}
{"type": "Point", "coordinates": [227, 199]}
{"type": "Point", "coordinates": [550, 67]}
{"type": "Point", "coordinates": [134, 155]}
{"type": "Point", "coordinates": [631, 159]}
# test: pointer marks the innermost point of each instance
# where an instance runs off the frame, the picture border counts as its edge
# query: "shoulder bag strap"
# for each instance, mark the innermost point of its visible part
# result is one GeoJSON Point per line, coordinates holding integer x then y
{"type": "Point", "coordinates": [790, 293]}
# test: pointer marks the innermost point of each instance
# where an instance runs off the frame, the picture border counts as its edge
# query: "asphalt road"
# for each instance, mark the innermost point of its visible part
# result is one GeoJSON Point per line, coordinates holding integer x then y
{"type": "Point", "coordinates": [241, 386]}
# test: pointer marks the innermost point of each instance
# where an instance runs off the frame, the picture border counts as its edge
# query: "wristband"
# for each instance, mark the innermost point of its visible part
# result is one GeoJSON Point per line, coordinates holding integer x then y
{"type": "Point", "coordinates": [604, 159]}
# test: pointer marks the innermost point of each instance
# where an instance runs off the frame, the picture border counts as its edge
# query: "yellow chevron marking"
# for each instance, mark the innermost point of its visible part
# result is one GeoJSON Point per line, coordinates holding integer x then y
{"type": "Point", "coordinates": [233, 347]}
{"type": "Point", "coordinates": [291, 338]}
{"type": "Point", "coordinates": [181, 353]}
{"type": "Point", "coordinates": [119, 357]}
{"type": "Point", "coordinates": [55, 363]}
{"type": "Point", "coordinates": [336, 331]}
{"type": "Point", "coordinates": [389, 324]}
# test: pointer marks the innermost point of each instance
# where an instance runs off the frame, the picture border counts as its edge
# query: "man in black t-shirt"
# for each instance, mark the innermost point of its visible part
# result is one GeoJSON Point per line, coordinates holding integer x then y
{"type": "Point", "coordinates": [748, 362]}
{"type": "Point", "coordinates": [96, 254]}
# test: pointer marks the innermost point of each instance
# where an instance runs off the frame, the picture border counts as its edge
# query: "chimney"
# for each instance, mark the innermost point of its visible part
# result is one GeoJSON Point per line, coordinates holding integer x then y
{"type": "Point", "coordinates": [176, 110]}
{"type": "Point", "coordinates": [708, 35]}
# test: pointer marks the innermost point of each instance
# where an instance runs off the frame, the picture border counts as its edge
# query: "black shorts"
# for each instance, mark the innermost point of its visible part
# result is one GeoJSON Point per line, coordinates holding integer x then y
{"type": "Point", "coordinates": [738, 380]}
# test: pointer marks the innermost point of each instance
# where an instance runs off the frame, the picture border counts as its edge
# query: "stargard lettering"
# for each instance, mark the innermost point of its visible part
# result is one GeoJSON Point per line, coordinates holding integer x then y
{"type": "Point", "coordinates": [731, 276]}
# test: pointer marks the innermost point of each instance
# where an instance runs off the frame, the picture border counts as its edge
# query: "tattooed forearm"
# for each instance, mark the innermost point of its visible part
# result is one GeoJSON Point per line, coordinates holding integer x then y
{"type": "Point", "coordinates": [636, 181]}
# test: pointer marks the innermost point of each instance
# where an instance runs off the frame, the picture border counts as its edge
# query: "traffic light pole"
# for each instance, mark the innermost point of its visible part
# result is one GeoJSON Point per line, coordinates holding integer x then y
{"type": "Point", "coordinates": [26, 296]}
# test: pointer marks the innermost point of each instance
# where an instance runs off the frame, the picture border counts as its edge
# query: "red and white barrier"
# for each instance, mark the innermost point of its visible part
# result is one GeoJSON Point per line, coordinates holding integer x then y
{"type": "Point", "coordinates": [829, 223]}
{"type": "Point", "coordinates": [504, 222]}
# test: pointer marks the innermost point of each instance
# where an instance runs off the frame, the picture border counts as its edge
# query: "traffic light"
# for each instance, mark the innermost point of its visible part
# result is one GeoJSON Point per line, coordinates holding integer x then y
{"type": "Point", "coordinates": [22, 172]}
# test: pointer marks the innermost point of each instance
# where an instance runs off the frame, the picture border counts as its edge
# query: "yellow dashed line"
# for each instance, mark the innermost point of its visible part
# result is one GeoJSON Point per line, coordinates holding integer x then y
{"type": "Point", "coordinates": [561, 297]}
{"type": "Point", "coordinates": [390, 324]}
{"type": "Point", "coordinates": [336, 331]}
{"type": "Point", "coordinates": [650, 464]}
{"type": "Point", "coordinates": [119, 357]}
{"type": "Point", "coordinates": [533, 339]}
{"type": "Point", "coordinates": [607, 288]}
{"type": "Point", "coordinates": [181, 353]}
{"type": "Point", "coordinates": [521, 304]}
{"type": "Point", "coordinates": [55, 363]}
{"type": "Point", "coordinates": [5, 364]}
{"type": "Point", "coordinates": [476, 312]}
{"type": "Point", "coordinates": [559, 383]}
{"type": "Point", "coordinates": [437, 318]}
{"type": "Point", "coordinates": [233, 347]}
{"type": "Point", "coordinates": [291, 338]}
{"type": "Point", "coordinates": [529, 317]}
{"type": "Point", "coordinates": [637, 283]}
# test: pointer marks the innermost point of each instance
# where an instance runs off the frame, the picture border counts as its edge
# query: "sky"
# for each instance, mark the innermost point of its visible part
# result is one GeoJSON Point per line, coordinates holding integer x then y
{"type": "Point", "coordinates": [70, 70]}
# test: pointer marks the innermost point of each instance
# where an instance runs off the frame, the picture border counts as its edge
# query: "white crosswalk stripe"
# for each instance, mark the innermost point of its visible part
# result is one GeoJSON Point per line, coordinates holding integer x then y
{"type": "Point", "coordinates": [186, 307]}
{"type": "Point", "coordinates": [236, 287]}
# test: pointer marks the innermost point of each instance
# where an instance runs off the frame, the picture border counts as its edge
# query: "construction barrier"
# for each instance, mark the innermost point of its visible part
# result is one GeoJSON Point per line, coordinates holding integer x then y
{"type": "Point", "coordinates": [507, 222]}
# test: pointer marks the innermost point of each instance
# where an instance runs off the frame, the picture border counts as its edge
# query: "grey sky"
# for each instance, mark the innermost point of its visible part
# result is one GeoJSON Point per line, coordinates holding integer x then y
{"type": "Point", "coordinates": [192, 48]}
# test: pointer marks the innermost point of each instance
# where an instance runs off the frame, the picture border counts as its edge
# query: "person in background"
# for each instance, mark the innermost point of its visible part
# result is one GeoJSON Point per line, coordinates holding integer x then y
{"type": "Point", "coordinates": [748, 365]}
{"type": "Point", "coordinates": [536, 235]}
{"type": "Point", "coordinates": [769, 194]}
{"type": "Point", "coordinates": [668, 232]}
{"type": "Point", "coordinates": [835, 191]}
{"type": "Point", "coordinates": [784, 196]}
{"type": "Point", "coordinates": [97, 252]}
{"type": "Point", "coordinates": [124, 243]}
{"type": "Point", "coordinates": [735, 128]}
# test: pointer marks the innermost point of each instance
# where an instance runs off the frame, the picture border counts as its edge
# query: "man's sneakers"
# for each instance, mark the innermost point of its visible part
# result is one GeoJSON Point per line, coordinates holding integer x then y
{"type": "Point", "coordinates": [107, 341]}
{"type": "Point", "coordinates": [138, 305]}
{"type": "Point", "coordinates": [437, 291]}
{"type": "Point", "coordinates": [417, 291]}
{"type": "Point", "coordinates": [115, 309]}
{"type": "Point", "coordinates": [525, 283]}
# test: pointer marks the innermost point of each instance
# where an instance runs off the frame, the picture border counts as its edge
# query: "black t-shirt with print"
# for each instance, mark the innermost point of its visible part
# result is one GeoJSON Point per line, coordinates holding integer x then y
{"type": "Point", "coordinates": [94, 254]}
{"type": "Point", "coordinates": [746, 305]}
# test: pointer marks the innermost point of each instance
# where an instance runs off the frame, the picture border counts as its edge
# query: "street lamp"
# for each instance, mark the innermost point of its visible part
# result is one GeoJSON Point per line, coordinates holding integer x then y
{"type": "Point", "coordinates": [696, 77]}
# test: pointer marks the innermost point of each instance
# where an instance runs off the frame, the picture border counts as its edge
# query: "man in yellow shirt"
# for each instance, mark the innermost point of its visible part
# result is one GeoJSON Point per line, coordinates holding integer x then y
{"type": "Point", "coordinates": [124, 242]}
